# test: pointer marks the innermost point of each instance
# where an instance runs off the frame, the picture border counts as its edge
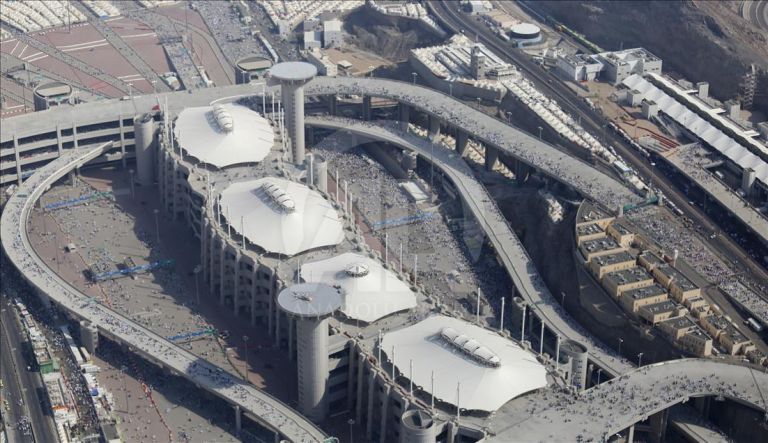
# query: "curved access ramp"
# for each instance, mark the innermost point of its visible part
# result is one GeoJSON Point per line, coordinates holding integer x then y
{"type": "Point", "coordinates": [270, 411]}
{"type": "Point", "coordinates": [510, 250]}
{"type": "Point", "coordinates": [492, 132]}
{"type": "Point", "coordinates": [614, 406]}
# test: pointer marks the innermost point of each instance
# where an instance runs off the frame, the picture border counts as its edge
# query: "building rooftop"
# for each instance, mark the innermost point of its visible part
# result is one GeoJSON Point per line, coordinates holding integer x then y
{"type": "Point", "coordinates": [620, 228]}
{"type": "Point", "coordinates": [678, 323]}
{"type": "Point", "coordinates": [600, 244]}
{"type": "Point", "coordinates": [651, 258]}
{"type": "Point", "coordinates": [627, 276]}
{"type": "Point", "coordinates": [610, 259]}
{"type": "Point", "coordinates": [281, 216]}
{"type": "Point", "coordinates": [224, 135]}
{"type": "Point", "coordinates": [368, 290]}
{"type": "Point", "coordinates": [660, 307]}
{"type": "Point", "coordinates": [735, 334]}
{"type": "Point", "coordinates": [309, 300]}
{"type": "Point", "coordinates": [698, 332]}
{"type": "Point", "coordinates": [592, 228]}
{"type": "Point", "coordinates": [482, 387]}
{"type": "Point", "coordinates": [646, 292]}
{"type": "Point", "coordinates": [678, 279]}
{"type": "Point", "coordinates": [293, 71]}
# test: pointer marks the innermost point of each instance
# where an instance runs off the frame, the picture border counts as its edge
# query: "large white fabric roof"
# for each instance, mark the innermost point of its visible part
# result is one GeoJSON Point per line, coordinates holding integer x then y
{"type": "Point", "coordinates": [312, 223]}
{"type": "Point", "coordinates": [483, 387]}
{"type": "Point", "coordinates": [706, 131]}
{"type": "Point", "coordinates": [200, 135]}
{"type": "Point", "coordinates": [369, 292]}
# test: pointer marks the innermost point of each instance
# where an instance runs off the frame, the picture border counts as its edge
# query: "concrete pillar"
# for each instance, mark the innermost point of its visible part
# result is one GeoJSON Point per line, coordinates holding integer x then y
{"type": "Point", "coordinates": [144, 137]}
{"type": "Point", "coordinates": [238, 419]}
{"type": "Point", "coordinates": [290, 325]}
{"type": "Point", "coordinates": [658, 424]}
{"type": "Point", "coordinates": [333, 104]}
{"type": "Point", "coordinates": [236, 284]}
{"type": "Point", "coordinates": [521, 172]}
{"type": "Point", "coordinates": [359, 393]}
{"type": "Point", "coordinates": [434, 128]}
{"type": "Point", "coordinates": [123, 160]}
{"type": "Point", "coordinates": [212, 264]}
{"type": "Point", "coordinates": [352, 367]}
{"type": "Point", "coordinates": [16, 158]}
{"type": "Point", "coordinates": [404, 116]}
{"type": "Point", "coordinates": [254, 292]}
{"type": "Point", "coordinates": [292, 76]}
{"type": "Point", "coordinates": [366, 107]}
{"type": "Point", "coordinates": [369, 408]}
{"type": "Point", "coordinates": [451, 432]}
{"type": "Point", "coordinates": [59, 144]}
{"type": "Point", "coordinates": [491, 158]}
{"type": "Point", "coordinates": [385, 399]}
{"type": "Point", "coordinates": [631, 434]}
{"type": "Point", "coordinates": [461, 142]}
{"type": "Point", "coordinates": [747, 180]}
{"type": "Point", "coordinates": [222, 268]}
{"type": "Point", "coordinates": [75, 142]}
{"type": "Point", "coordinates": [89, 336]}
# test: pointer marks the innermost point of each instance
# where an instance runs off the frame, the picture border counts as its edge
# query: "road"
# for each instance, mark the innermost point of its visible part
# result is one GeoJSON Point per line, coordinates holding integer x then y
{"type": "Point", "coordinates": [23, 383]}
{"type": "Point", "coordinates": [508, 247]}
{"type": "Point", "coordinates": [591, 121]}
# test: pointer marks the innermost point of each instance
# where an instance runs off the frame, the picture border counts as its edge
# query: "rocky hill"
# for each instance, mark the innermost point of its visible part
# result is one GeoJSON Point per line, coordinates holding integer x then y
{"type": "Point", "coordinates": [700, 40]}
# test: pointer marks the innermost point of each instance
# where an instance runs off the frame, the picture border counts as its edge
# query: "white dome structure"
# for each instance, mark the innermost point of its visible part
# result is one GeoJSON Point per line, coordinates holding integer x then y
{"type": "Point", "coordinates": [281, 216]}
{"type": "Point", "coordinates": [369, 291]}
{"type": "Point", "coordinates": [224, 135]}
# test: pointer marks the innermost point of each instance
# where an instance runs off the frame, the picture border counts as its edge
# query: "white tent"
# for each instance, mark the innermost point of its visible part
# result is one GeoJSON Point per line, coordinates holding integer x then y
{"type": "Point", "coordinates": [369, 291]}
{"type": "Point", "coordinates": [482, 387]}
{"type": "Point", "coordinates": [238, 135]}
{"type": "Point", "coordinates": [312, 222]}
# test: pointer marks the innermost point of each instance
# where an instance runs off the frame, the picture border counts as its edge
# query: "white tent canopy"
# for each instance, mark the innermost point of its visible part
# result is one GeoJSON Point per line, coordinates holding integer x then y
{"type": "Point", "coordinates": [369, 291]}
{"type": "Point", "coordinates": [482, 387]}
{"type": "Point", "coordinates": [312, 223]}
{"type": "Point", "coordinates": [228, 135]}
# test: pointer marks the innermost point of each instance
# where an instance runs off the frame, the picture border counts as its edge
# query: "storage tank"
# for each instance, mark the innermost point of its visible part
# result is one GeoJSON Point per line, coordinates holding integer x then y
{"type": "Point", "coordinates": [417, 426]}
{"type": "Point", "coordinates": [144, 136]}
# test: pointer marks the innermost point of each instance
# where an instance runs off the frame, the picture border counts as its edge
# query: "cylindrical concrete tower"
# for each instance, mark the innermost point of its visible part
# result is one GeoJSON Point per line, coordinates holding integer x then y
{"type": "Point", "coordinates": [292, 76]}
{"type": "Point", "coordinates": [320, 172]}
{"type": "Point", "coordinates": [579, 361]}
{"type": "Point", "coordinates": [311, 304]}
{"type": "Point", "coordinates": [417, 426]}
{"type": "Point", "coordinates": [144, 136]}
{"type": "Point", "coordinates": [51, 94]}
{"type": "Point", "coordinates": [89, 336]}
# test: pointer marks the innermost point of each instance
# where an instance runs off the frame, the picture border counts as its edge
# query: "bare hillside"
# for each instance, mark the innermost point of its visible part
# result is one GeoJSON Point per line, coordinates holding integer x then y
{"type": "Point", "coordinates": [701, 40]}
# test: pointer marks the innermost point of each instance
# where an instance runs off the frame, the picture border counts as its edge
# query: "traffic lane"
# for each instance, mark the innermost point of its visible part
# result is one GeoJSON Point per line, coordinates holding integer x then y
{"type": "Point", "coordinates": [32, 390]}
{"type": "Point", "coordinates": [546, 81]}
{"type": "Point", "coordinates": [11, 391]}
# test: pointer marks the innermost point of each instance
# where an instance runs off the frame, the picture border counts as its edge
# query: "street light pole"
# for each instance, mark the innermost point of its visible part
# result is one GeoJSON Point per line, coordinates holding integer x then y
{"type": "Point", "coordinates": [639, 359]}
{"type": "Point", "coordinates": [540, 128]}
{"type": "Point", "coordinates": [599, 371]}
{"type": "Point", "coordinates": [157, 225]}
{"type": "Point", "coordinates": [414, 74]}
{"type": "Point", "coordinates": [245, 347]}
{"type": "Point", "coordinates": [621, 340]}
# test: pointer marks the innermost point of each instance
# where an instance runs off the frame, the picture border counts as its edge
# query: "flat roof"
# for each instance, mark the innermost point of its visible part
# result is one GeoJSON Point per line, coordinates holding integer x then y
{"type": "Point", "coordinates": [646, 292]}
{"type": "Point", "coordinates": [369, 291]}
{"type": "Point", "coordinates": [610, 259]}
{"type": "Point", "coordinates": [592, 228]}
{"type": "Point", "coordinates": [309, 300]}
{"type": "Point", "coordinates": [662, 306]}
{"type": "Point", "coordinates": [53, 89]}
{"type": "Point", "coordinates": [600, 244]}
{"type": "Point", "coordinates": [293, 71]}
{"type": "Point", "coordinates": [254, 63]}
{"type": "Point", "coordinates": [481, 387]}
{"type": "Point", "coordinates": [312, 223]}
{"type": "Point", "coordinates": [679, 322]}
{"type": "Point", "coordinates": [249, 141]}
{"type": "Point", "coordinates": [678, 279]}
{"type": "Point", "coordinates": [627, 276]}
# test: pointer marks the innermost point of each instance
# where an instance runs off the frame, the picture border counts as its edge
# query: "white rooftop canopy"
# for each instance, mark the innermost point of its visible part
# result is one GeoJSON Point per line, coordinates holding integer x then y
{"type": "Point", "coordinates": [228, 135]}
{"type": "Point", "coordinates": [369, 292]}
{"type": "Point", "coordinates": [703, 129]}
{"type": "Point", "coordinates": [493, 372]}
{"type": "Point", "coordinates": [297, 220]}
